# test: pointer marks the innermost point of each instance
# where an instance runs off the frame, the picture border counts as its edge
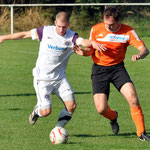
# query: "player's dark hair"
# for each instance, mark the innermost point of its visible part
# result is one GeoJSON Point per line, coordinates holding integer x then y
{"type": "Point", "coordinates": [112, 11]}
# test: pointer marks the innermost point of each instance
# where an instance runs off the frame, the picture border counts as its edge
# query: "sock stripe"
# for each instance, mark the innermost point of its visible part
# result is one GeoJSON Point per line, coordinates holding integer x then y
{"type": "Point", "coordinates": [65, 118]}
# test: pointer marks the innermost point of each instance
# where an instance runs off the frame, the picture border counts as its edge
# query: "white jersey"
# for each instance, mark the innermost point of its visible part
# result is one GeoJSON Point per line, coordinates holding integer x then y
{"type": "Point", "coordinates": [54, 52]}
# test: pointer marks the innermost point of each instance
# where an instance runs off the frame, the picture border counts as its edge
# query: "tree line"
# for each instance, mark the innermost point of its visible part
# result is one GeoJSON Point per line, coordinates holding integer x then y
{"type": "Point", "coordinates": [82, 17]}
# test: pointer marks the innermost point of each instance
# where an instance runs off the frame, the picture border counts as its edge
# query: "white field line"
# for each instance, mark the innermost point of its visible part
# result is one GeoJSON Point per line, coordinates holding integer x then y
{"type": "Point", "coordinates": [25, 52]}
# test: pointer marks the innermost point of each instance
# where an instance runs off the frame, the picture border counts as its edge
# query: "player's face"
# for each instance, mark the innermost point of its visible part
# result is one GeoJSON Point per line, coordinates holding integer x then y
{"type": "Point", "coordinates": [61, 27]}
{"type": "Point", "coordinates": [111, 23]}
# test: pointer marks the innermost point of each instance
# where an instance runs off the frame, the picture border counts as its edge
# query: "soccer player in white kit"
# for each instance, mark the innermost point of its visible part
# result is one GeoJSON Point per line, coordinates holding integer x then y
{"type": "Point", "coordinates": [56, 43]}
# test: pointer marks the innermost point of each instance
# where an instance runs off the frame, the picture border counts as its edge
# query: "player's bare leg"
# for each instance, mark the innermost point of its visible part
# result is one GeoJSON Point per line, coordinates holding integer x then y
{"type": "Point", "coordinates": [129, 92]}
{"type": "Point", "coordinates": [103, 109]}
{"type": "Point", "coordinates": [66, 113]}
{"type": "Point", "coordinates": [100, 101]}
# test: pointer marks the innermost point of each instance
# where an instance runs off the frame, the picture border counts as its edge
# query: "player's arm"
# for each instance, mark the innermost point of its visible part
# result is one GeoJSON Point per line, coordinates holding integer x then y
{"type": "Point", "coordinates": [15, 36]}
{"type": "Point", "coordinates": [89, 43]}
{"type": "Point", "coordinates": [136, 42]}
{"type": "Point", "coordinates": [143, 52]}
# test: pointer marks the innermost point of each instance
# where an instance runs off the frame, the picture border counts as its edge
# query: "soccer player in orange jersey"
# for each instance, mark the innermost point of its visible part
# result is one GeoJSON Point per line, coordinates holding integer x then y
{"type": "Point", "coordinates": [108, 67]}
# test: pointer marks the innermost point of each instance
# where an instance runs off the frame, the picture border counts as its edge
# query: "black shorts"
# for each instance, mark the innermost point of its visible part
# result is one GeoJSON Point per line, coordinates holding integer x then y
{"type": "Point", "coordinates": [102, 76]}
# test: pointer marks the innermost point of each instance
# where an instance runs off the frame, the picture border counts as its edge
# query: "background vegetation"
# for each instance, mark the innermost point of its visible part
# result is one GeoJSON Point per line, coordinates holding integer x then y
{"type": "Point", "coordinates": [82, 17]}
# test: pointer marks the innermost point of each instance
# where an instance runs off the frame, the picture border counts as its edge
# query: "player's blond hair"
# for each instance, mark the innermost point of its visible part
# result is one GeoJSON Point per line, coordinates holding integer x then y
{"type": "Point", "coordinates": [62, 16]}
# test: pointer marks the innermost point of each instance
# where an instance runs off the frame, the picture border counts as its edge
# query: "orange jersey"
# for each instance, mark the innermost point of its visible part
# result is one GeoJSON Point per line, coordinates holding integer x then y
{"type": "Point", "coordinates": [115, 42]}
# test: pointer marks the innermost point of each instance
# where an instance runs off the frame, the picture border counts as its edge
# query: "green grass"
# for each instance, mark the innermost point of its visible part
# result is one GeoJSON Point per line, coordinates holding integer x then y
{"type": "Point", "coordinates": [88, 130]}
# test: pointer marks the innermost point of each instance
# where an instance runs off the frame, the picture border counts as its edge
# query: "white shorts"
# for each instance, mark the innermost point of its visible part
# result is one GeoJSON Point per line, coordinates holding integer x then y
{"type": "Point", "coordinates": [61, 88]}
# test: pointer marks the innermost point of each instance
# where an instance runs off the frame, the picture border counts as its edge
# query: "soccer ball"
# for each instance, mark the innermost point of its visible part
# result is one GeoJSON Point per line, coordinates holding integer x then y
{"type": "Point", "coordinates": [59, 135]}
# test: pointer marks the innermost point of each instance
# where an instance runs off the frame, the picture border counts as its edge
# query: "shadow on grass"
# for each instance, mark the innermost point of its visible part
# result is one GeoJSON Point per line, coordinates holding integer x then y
{"type": "Point", "coordinates": [123, 134]}
{"type": "Point", "coordinates": [14, 109]}
{"type": "Point", "coordinates": [27, 94]}
{"type": "Point", "coordinates": [86, 135]}
{"type": "Point", "coordinates": [82, 92]}
{"type": "Point", "coordinates": [102, 135]}
{"type": "Point", "coordinates": [33, 94]}
{"type": "Point", "coordinates": [11, 109]}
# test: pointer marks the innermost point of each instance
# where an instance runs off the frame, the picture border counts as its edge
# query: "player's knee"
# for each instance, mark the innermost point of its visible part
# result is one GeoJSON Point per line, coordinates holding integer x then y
{"type": "Point", "coordinates": [72, 108]}
{"type": "Point", "coordinates": [101, 110]}
{"type": "Point", "coordinates": [45, 112]}
{"type": "Point", "coordinates": [133, 101]}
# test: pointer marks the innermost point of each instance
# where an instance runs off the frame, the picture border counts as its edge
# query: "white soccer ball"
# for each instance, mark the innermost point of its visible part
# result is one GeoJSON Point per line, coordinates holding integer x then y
{"type": "Point", "coordinates": [59, 135]}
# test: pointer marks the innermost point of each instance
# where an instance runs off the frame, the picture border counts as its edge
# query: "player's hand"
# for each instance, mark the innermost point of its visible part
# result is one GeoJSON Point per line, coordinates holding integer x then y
{"type": "Point", "coordinates": [78, 50]}
{"type": "Point", "coordinates": [98, 46]}
{"type": "Point", "coordinates": [136, 57]}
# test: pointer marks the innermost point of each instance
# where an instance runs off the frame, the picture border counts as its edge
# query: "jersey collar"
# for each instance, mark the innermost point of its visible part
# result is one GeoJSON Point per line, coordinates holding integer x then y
{"type": "Point", "coordinates": [114, 31]}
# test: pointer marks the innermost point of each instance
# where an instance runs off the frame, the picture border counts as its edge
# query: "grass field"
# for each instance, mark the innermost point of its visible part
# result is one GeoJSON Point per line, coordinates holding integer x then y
{"type": "Point", "coordinates": [88, 131]}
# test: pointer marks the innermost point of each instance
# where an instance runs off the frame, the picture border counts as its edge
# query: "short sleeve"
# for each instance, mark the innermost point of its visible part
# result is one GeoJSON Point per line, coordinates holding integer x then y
{"type": "Point", "coordinates": [37, 34]}
{"type": "Point", "coordinates": [75, 38]}
{"type": "Point", "coordinates": [134, 40]}
{"type": "Point", "coordinates": [34, 34]}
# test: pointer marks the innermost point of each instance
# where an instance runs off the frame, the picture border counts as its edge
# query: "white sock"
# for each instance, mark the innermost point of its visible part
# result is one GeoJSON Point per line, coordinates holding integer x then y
{"type": "Point", "coordinates": [64, 118]}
